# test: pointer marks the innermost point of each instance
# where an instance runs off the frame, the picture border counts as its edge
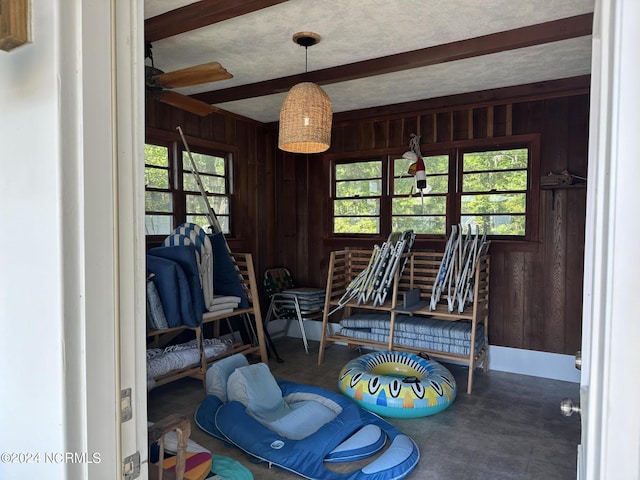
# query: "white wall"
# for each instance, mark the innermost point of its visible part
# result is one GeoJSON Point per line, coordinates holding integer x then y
{"type": "Point", "coordinates": [58, 274]}
{"type": "Point", "coordinates": [31, 333]}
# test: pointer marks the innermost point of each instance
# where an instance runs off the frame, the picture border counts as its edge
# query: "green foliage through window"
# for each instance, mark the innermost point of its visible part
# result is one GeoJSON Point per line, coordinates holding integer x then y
{"type": "Point", "coordinates": [495, 190]}
{"type": "Point", "coordinates": [212, 172]}
{"type": "Point", "coordinates": [172, 195]}
{"type": "Point", "coordinates": [158, 196]}
{"type": "Point", "coordinates": [358, 188]}
{"type": "Point", "coordinates": [424, 211]}
{"type": "Point", "coordinates": [485, 188]}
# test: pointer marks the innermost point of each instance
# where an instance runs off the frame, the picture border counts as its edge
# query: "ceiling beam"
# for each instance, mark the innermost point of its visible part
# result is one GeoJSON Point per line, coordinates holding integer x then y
{"type": "Point", "coordinates": [564, 87]}
{"type": "Point", "coordinates": [563, 29]}
{"type": "Point", "coordinates": [200, 14]}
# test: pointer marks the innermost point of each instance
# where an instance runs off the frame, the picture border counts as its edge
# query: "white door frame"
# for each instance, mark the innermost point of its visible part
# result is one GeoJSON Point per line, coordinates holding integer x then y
{"type": "Point", "coordinates": [110, 119]}
{"type": "Point", "coordinates": [128, 43]}
{"type": "Point", "coordinates": [102, 138]}
{"type": "Point", "coordinates": [610, 443]}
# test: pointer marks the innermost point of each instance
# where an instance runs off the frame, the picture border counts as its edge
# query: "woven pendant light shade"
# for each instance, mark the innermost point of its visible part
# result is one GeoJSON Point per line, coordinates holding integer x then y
{"type": "Point", "coordinates": [305, 120]}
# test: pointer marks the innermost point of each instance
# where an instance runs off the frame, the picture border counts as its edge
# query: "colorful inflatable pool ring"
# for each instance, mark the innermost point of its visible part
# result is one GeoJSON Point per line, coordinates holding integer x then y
{"type": "Point", "coordinates": [398, 384]}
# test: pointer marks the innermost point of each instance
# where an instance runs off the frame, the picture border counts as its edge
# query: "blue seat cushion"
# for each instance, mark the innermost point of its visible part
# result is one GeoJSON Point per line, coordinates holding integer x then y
{"type": "Point", "coordinates": [218, 374]}
{"type": "Point", "coordinates": [173, 289]}
{"type": "Point", "coordinates": [225, 276]}
{"type": "Point", "coordinates": [255, 387]}
{"type": "Point", "coordinates": [185, 257]}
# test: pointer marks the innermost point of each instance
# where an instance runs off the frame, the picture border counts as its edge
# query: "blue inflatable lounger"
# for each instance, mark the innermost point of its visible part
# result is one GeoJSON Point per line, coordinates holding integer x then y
{"type": "Point", "coordinates": [299, 427]}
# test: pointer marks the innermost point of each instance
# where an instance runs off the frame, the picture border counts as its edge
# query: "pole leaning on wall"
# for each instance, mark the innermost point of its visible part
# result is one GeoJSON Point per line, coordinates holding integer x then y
{"type": "Point", "coordinates": [213, 220]}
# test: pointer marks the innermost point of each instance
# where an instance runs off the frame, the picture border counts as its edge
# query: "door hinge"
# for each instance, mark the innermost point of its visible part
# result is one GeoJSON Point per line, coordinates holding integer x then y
{"type": "Point", "coordinates": [131, 466]}
{"type": "Point", "coordinates": [126, 408]}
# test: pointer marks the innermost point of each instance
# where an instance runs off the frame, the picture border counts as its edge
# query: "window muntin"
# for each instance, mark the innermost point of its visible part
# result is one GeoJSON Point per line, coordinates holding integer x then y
{"type": "Point", "coordinates": [212, 170]}
{"type": "Point", "coordinates": [172, 196]}
{"type": "Point", "coordinates": [494, 190]}
{"type": "Point", "coordinates": [158, 195]}
{"type": "Point", "coordinates": [357, 194]}
{"type": "Point", "coordinates": [423, 212]}
{"type": "Point", "coordinates": [489, 187]}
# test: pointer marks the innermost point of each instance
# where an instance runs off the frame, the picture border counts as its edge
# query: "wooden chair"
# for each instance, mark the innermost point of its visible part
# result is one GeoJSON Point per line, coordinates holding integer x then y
{"type": "Point", "coordinates": [182, 466]}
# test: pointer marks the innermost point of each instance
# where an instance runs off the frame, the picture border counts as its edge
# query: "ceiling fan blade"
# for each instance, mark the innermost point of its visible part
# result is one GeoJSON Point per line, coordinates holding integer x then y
{"type": "Point", "coordinates": [205, 73]}
{"type": "Point", "coordinates": [185, 103]}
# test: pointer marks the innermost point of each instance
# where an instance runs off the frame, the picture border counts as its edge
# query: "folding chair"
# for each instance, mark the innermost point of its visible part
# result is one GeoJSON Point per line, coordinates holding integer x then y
{"type": "Point", "coordinates": [290, 303]}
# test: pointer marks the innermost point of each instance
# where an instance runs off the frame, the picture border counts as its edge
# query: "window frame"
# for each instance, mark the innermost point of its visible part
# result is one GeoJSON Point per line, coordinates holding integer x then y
{"type": "Point", "coordinates": [392, 195]}
{"type": "Point", "coordinates": [453, 197]}
{"type": "Point", "coordinates": [176, 172]}
{"type": "Point", "coordinates": [171, 181]}
{"type": "Point", "coordinates": [227, 158]}
{"type": "Point", "coordinates": [334, 198]}
{"type": "Point", "coordinates": [460, 192]}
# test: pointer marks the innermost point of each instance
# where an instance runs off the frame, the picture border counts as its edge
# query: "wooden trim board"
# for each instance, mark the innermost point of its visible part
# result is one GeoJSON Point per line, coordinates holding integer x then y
{"type": "Point", "coordinates": [14, 23]}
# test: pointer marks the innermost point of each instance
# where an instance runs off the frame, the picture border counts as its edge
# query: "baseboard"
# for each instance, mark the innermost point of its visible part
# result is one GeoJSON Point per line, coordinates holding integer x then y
{"type": "Point", "coordinates": [538, 364]}
{"type": "Point", "coordinates": [503, 359]}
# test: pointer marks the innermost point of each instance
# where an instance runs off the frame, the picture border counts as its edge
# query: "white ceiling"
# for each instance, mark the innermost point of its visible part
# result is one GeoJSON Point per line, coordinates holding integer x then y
{"type": "Point", "coordinates": [258, 46]}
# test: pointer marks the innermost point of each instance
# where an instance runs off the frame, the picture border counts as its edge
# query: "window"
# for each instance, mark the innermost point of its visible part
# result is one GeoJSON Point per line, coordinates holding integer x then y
{"type": "Point", "coordinates": [212, 170]}
{"type": "Point", "coordinates": [357, 193]}
{"type": "Point", "coordinates": [424, 212]}
{"type": "Point", "coordinates": [487, 186]}
{"type": "Point", "coordinates": [494, 190]}
{"type": "Point", "coordinates": [172, 194]}
{"type": "Point", "coordinates": [158, 196]}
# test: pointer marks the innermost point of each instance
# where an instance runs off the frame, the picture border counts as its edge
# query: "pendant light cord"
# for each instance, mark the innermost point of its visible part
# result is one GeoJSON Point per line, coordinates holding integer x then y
{"type": "Point", "coordinates": [306, 40]}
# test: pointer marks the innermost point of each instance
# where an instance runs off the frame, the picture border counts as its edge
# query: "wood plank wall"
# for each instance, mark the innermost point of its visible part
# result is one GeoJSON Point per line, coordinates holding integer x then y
{"type": "Point", "coordinates": [536, 290]}
{"type": "Point", "coordinates": [249, 195]}
{"type": "Point", "coordinates": [280, 200]}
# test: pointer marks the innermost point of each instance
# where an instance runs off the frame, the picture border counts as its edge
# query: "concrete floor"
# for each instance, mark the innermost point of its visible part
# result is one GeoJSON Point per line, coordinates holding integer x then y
{"type": "Point", "coordinates": [509, 428]}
